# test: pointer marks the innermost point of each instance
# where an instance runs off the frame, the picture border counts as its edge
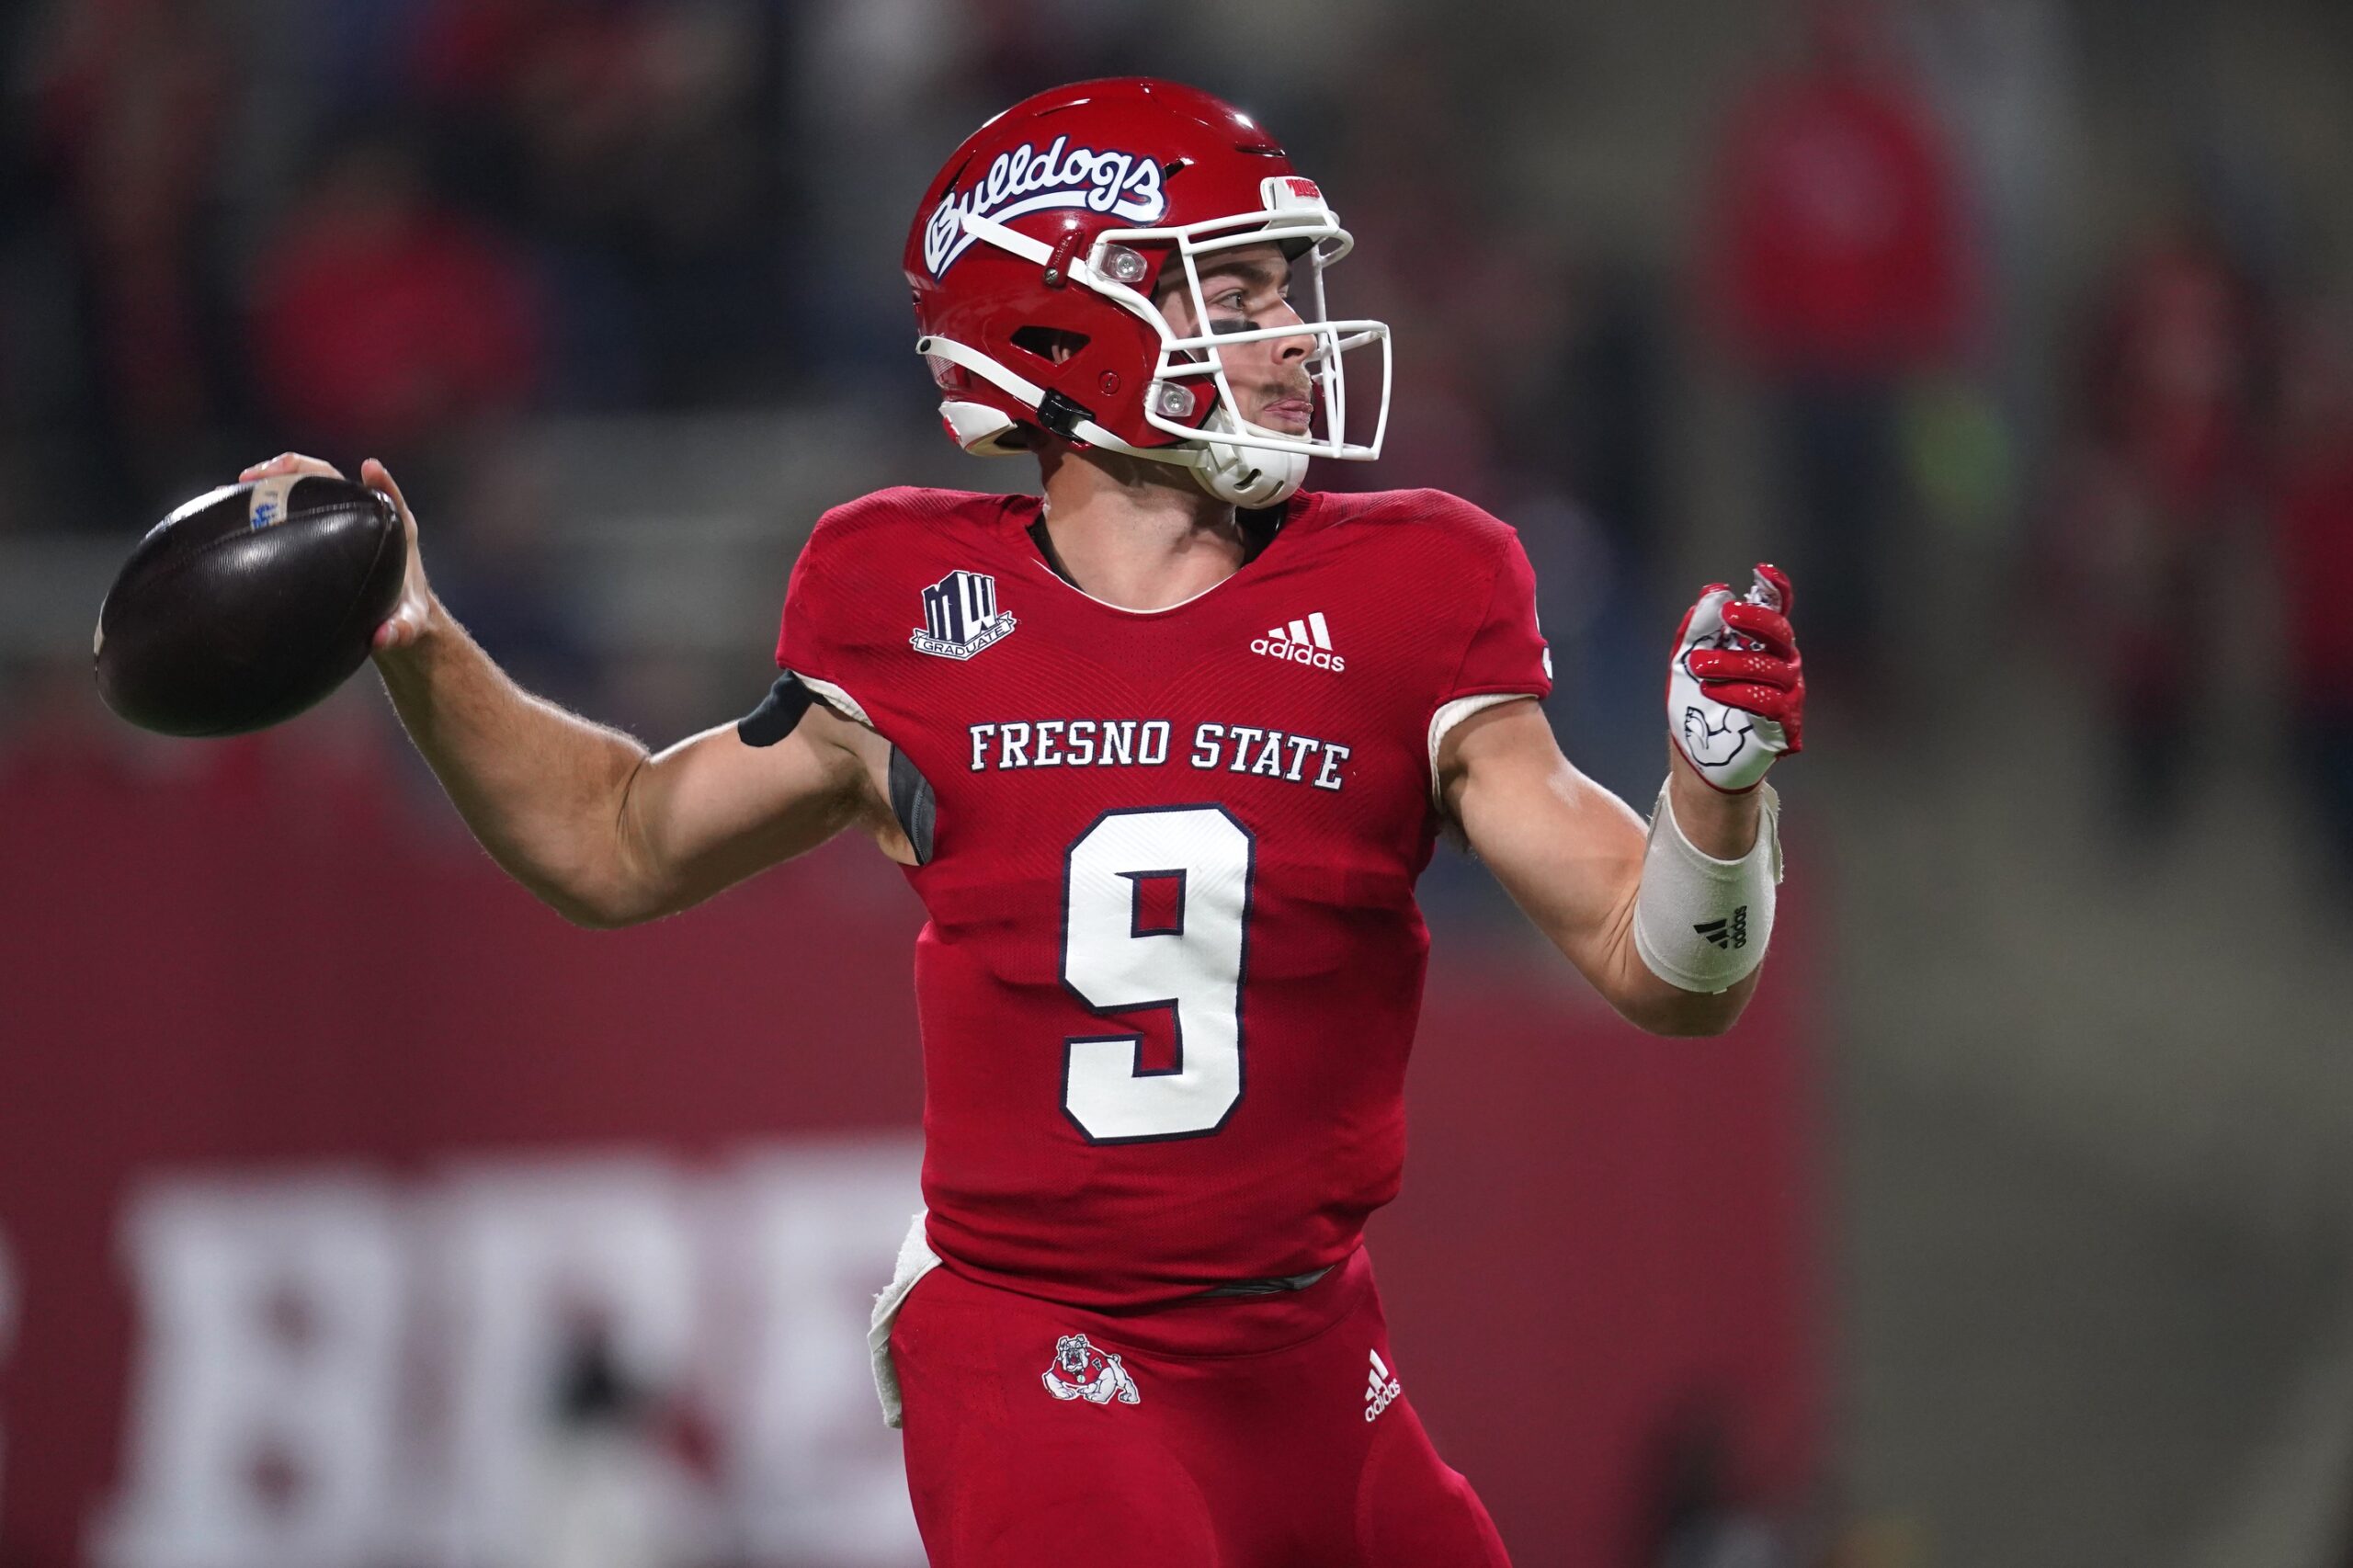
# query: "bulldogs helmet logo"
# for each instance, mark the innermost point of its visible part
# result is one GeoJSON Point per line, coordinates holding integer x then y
{"type": "Point", "coordinates": [1024, 180]}
{"type": "Point", "coordinates": [1081, 1371]}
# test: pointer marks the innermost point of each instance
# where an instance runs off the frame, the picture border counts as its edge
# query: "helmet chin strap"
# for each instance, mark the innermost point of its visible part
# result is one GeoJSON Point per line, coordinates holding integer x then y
{"type": "Point", "coordinates": [1240, 476]}
{"type": "Point", "coordinates": [1246, 476]}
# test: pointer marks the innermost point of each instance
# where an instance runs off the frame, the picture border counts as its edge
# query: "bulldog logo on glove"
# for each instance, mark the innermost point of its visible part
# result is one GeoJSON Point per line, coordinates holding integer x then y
{"type": "Point", "coordinates": [1736, 690]}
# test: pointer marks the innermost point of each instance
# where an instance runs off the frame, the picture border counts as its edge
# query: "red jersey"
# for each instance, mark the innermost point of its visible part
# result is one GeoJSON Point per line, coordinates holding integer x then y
{"type": "Point", "coordinates": [1172, 961]}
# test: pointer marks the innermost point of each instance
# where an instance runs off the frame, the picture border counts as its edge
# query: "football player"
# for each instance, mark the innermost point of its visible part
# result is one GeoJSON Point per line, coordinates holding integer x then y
{"type": "Point", "coordinates": [1163, 751]}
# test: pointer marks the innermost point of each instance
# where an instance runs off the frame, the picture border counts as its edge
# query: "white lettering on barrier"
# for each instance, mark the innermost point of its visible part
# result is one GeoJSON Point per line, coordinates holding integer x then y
{"type": "Point", "coordinates": [472, 1371]}
{"type": "Point", "coordinates": [553, 1272]}
{"type": "Point", "coordinates": [265, 1365]}
{"type": "Point", "coordinates": [812, 1473]}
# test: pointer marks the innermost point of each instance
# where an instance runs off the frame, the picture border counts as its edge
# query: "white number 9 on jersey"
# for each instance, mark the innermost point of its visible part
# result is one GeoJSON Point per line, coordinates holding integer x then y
{"type": "Point", "coordinates": [1191, 965]}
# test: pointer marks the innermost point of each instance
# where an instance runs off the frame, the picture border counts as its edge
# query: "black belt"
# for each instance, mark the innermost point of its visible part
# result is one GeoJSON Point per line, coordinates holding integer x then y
{"type": "Point", "coordinates": [1273, 1286]}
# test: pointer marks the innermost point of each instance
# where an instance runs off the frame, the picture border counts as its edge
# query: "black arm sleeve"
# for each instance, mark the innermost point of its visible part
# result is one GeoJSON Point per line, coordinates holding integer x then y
{"type": "Point", "coordinates": [778, 712]}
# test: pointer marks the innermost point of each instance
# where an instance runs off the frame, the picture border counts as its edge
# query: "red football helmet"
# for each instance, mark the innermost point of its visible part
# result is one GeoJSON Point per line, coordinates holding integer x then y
{"type": "Point", "coordinates": [1050, 230]}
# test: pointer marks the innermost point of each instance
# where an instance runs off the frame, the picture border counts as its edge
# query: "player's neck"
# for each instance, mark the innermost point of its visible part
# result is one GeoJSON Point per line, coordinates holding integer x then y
{"type": "Point", "coordinates": [1138, 534]}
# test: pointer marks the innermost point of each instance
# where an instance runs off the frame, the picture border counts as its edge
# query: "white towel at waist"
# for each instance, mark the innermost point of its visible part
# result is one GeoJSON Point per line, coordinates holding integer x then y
{"type": "Point", "coordinates": [915, 1260]}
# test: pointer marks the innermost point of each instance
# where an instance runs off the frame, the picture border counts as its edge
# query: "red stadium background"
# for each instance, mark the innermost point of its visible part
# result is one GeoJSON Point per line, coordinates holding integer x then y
{"type": "Point", "coordinates": [1599, 1275]}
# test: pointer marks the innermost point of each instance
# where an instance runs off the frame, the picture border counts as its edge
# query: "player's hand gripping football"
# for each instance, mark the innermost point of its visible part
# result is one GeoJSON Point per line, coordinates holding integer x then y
{"type": "Point", "coordinates": [412, 611]}
{"type": "Point", "coordinates": [1735, 693]}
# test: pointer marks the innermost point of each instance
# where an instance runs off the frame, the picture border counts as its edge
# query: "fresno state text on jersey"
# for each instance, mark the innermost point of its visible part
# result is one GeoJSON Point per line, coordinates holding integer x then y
{"type": "Point", "coordinates": [1144, 743]}
{"type": "Point", "coordinates": [1172, 958]}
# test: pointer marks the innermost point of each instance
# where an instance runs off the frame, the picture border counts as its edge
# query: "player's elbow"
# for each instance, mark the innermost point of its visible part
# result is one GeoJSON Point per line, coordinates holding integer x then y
{"type": "Point", "coordinates": [599, 903]}
{"type": "Point", "coordinates": [593, 917]}
{"type": "Point", "coordinates": [590, 913]}
{"type": "Point", "coordinates": [1659, 1008]}
{"type": "Point", "coordinates": [1691, 1023]}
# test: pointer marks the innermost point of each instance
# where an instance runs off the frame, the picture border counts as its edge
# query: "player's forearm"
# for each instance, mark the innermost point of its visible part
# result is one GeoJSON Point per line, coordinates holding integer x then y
{"type": "Point", "coordinates": [1576, 857]}
{"type": "Point", "coordinates": [541, 788]}
{"type": "Point", "coordinates": [1660, 1007]}
{"type": "Point", "coordinates": [1602, 946]}
{"type": "Point", "coordinates": [1698, 917]}
{"type": "Point", "coordinates": [1586, 904]}
{"type": "Point", "coordinates": [1719, 824]}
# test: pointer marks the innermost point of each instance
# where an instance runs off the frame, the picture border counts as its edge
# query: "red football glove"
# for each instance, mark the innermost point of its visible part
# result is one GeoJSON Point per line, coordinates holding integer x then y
{"type": "Point", "coordinates": [1735, 692]}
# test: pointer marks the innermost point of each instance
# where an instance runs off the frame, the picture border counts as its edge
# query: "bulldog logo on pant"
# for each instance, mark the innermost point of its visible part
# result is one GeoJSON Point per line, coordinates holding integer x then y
{"type": "Point", "coordinates": [1081, 1371]}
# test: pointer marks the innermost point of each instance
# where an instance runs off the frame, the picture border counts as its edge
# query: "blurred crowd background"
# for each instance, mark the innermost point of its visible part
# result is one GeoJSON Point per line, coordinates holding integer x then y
{"type": "Point", "coordinates": [2019, 331]}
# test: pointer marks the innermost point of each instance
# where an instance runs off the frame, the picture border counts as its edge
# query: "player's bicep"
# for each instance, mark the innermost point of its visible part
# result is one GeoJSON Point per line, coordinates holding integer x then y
{"type": "Point", "coordinates": [1568, 851]}
{"type": "Point", "coordinates": [715, 809]}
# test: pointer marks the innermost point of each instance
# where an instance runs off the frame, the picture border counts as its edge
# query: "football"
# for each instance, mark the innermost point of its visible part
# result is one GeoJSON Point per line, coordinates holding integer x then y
{"type": "Point", "coordinates": [249, 604]}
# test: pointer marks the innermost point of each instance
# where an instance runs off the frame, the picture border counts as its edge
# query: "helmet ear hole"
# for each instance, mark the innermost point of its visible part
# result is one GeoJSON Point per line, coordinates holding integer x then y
{"type": "Point", "coordinates": [1053, 344]}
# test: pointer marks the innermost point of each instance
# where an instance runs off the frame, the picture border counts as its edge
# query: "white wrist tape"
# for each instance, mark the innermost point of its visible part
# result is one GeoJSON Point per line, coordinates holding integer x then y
{"type": "Point", "coordinates": [1702, 924]}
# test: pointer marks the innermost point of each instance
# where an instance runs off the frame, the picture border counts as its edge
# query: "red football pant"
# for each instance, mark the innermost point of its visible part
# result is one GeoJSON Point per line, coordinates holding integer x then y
{"type": "Point", "coordinates": [1247, 1444]}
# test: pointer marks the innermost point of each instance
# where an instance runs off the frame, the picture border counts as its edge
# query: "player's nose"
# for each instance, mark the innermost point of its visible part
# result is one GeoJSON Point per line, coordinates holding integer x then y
{"type": "Point", "coordinates": [1290, 350]}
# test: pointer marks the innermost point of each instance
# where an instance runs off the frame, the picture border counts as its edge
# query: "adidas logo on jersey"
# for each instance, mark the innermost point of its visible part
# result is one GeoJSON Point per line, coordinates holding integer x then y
{"type": "Point", "coordinates": [1305, 641]}
{"type": "Point", "coordinates": [1383, 1388]}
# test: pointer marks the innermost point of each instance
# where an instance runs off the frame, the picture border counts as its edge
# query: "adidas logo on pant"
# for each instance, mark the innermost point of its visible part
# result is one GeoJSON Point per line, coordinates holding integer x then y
{"type": "Point", "coordinates": [1305, 641]}
{"type": "Point", "coordinates": [1382, 1389]}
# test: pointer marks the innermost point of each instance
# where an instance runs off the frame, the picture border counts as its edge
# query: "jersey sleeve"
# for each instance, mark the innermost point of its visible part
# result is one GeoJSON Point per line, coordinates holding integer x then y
{"type": "Point", "coordinates": [1504, 657]}
{"type": "Point", "coordinates": [802, 642]}
{"type": "Point", "coordinates": [1504, 654]}
{"type": "Point", "coordinates": [830, 637]}
{"type": "Point", "coordinates": [809, 645]}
